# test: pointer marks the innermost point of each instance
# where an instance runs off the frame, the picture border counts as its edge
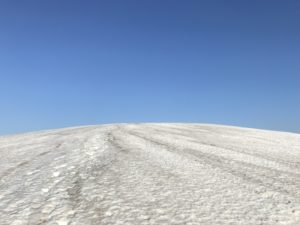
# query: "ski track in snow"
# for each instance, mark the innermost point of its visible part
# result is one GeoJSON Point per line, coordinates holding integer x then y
{"type": "Point", "coordinates": [150, 174]}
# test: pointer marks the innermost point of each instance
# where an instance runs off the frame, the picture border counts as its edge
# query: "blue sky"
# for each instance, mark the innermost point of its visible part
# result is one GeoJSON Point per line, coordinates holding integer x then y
{"type": "Point", "coordinates": [67, 63]}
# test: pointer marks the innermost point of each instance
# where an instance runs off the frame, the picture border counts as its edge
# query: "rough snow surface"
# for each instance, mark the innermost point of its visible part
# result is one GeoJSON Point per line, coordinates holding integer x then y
{"type": "Point", "coordinates": [150, 174]}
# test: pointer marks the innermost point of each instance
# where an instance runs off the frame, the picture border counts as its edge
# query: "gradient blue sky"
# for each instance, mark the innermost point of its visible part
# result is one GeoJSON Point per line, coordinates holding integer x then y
{"type": "Point", "coordinates": [66, 63]}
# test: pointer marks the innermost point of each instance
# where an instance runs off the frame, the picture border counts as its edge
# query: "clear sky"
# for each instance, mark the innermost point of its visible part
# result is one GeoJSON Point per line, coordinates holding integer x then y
{"type": "Point", "coordinates": [68, 63]}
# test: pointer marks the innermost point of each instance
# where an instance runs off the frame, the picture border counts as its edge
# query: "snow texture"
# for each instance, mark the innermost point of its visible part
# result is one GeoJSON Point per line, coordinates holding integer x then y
{"type": "Point", "coordinates": [150, 174]}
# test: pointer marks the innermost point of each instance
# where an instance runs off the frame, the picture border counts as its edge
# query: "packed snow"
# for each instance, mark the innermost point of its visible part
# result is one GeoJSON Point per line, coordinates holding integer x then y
{"type": "Point", "coordinates": [150, 174]}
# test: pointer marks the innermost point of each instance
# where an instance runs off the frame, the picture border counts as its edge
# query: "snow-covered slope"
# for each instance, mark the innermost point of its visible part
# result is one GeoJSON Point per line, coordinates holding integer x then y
{"type": "Point", "coordinates": [150, 174]}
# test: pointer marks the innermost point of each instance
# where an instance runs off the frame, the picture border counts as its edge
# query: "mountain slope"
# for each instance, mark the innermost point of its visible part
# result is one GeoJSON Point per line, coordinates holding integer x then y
{"type": "Point", "coordinates": [150, 174]}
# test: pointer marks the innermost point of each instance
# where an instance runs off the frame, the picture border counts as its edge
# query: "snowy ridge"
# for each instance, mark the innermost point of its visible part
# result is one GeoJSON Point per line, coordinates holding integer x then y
{"type": "Point", "coordinates": [150, 174]}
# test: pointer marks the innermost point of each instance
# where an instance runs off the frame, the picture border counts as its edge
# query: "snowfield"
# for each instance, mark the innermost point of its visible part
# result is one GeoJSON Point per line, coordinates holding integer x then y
{"type": "Point", "coordinates": [150, 174]}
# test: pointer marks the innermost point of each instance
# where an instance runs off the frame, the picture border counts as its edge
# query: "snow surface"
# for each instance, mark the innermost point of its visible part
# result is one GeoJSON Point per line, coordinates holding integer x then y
{"type": "Point", "coordinates": [150, 174]}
